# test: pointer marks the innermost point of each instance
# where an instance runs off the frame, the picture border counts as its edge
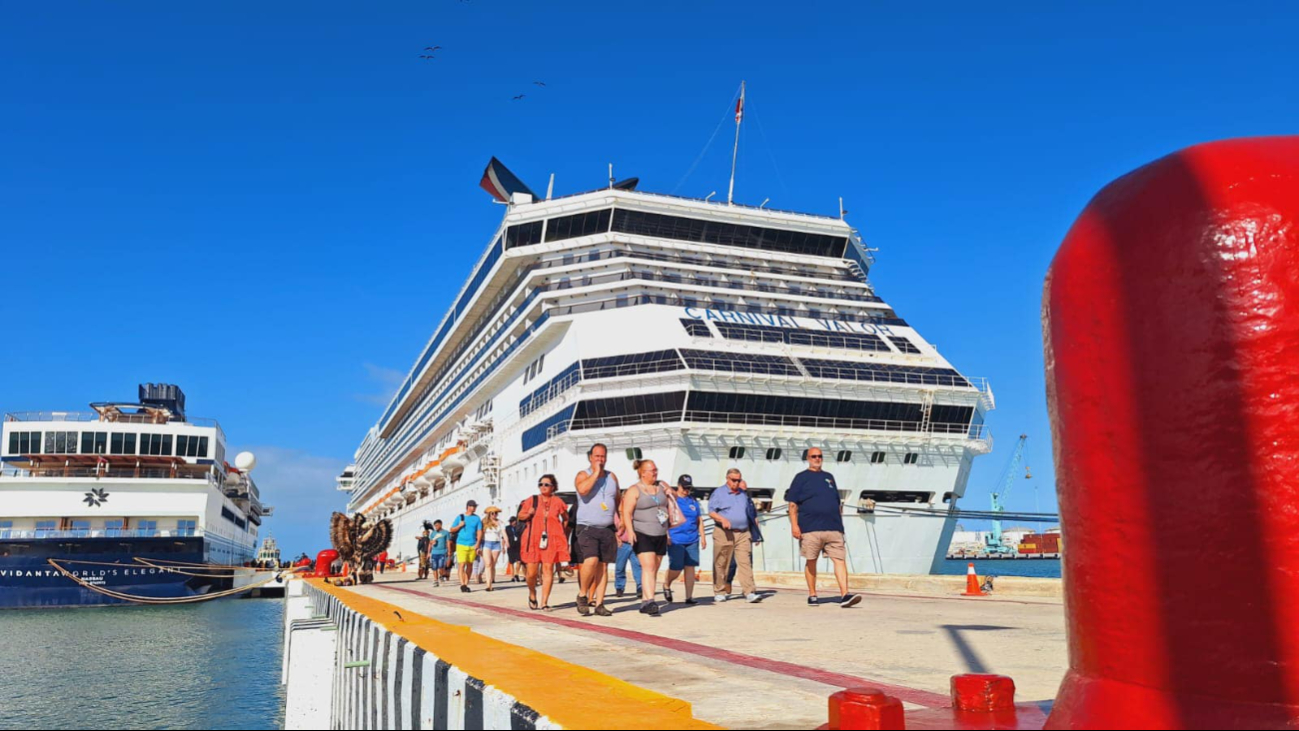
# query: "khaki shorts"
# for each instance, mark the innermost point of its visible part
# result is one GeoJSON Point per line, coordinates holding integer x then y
{"type": "Point", "coordinates": [829, 541]}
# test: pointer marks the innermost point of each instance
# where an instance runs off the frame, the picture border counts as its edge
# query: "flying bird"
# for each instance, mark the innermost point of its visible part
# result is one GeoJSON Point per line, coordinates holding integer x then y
{"type": "Point", "coordinates": [538, 83]}
{"type": "Point", "coordinates": [430, 58]}
{"type": "Point", "coordinates": [519, 97]}
{"type": "Point", "coordinates": [432, 48]}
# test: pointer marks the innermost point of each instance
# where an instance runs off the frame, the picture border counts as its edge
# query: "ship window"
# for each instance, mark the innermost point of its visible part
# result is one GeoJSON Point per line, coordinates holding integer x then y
{"type": "Point", "coordinates": [884, 373]}
{"type": "Point", "coordinates": [737, 453]}
{"type": "Point", "coordinates": [42, 525]}
{"type": "Point", "coordinates": [903, 344]}
{"type": "Point", "coordinates": [94, 442]}
{"type": "Point", "coordinates": [774, 453]}
{"type": "Point", "coordinates": [524, 234]}
{"type": "Point", "coordinates": [843, 456]}
{"type": "Point", "coordinates": [877, 457]}
{"type": "Point", "coordinates": [81, 527]}
{"type": "Point", "coordinates": [799, 336]}
{"type": "Point", "coordinates": [739, 363]}
{"type": "Point", "coordinates": [727, 234]}
{"type": "Point", "coordinates": [155, 444]}
{"type": "Point", "coordinates": [911, 458]}
{"type": "Point", "coordinates": [60, 442]}
{"type": "Point", "coordinates": [633, 454]}
{"type": "Point", "coordinates": [632, 410]}
{"type": "Point", "coordinates": [814, 413]}
{"type": "Point", "coordinates": [25, 442]}
{"type": "Point", "coordinates": [580, 224]}
{"type": "Point", "coordinates": [186, 527]}
{"type": "Point", "coordinates": [896, 496]}
{"type": "Point", "coordinates": [696, 328]}
{"type": "Point", "coordinates": [631, 364]}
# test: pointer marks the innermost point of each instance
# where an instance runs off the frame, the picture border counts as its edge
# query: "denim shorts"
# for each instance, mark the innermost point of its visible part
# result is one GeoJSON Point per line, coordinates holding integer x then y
{"type": "Point", "coordinates": [681, 555]}
{"type": "Point", "coordinates": [437, 561]}
{"type": "Point", "coordinates": [491, 545]}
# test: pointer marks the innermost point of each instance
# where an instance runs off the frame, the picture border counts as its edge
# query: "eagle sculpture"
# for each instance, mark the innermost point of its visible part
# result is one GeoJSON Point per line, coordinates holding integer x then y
{"type": "Point", "coordinates": [358, 541]}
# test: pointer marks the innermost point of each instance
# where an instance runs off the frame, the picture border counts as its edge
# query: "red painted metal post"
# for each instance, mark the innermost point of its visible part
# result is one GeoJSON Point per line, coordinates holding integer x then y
{"type": "Point", "coordinates": [983, 693]}
{"type": "Point", "coordinates": [866, 709]}
{"type": "Point", "coordinates": [1171, 320]}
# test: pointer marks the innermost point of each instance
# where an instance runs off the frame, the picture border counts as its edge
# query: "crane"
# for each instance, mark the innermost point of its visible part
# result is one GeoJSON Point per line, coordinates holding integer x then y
{"type": "Point", "coordinates": [1001, 491]}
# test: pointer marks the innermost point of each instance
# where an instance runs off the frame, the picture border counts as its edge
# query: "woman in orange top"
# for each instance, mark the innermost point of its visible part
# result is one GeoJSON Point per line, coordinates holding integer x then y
{"type": "Point", "coordinates": [544, 538]}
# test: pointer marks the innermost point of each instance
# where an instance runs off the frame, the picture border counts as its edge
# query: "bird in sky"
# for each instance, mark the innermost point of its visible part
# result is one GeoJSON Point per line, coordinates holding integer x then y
{"type": "Point", "coordinates": [519, 97]}
{"type": "Point", "coordinates": [432, 48]}
{"type": "Point", "coordinates": [538, 83]}
{"type": "Point", "coordinates": [428, 58]}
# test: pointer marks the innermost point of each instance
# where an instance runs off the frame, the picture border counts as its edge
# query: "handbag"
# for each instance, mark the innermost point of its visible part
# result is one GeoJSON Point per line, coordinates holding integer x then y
{"type": "Point", "coordinates": [675, 517]}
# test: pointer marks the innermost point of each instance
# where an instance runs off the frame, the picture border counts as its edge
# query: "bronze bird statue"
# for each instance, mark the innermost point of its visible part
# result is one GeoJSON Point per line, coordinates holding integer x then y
{"type": "Point", "coordinates": [358, 542]}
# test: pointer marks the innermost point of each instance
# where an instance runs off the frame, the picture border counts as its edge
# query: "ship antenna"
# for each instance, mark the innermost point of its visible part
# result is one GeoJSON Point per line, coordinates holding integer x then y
{"type": "Point", "coordinates": [765, 201]}
{"type": "Point", "coordinates": [739, 115]}
{"type": "Point", "coordinates": [710, 195]}
{"type": "Point", "coordinates": [610, 175]}
{"type": "Point", "coordinates": [550, 189]}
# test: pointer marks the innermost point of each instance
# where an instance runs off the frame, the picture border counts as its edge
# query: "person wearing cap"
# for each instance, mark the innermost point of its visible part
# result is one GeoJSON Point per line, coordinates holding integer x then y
{"type": "Point", "coordinates": [513, 533]}
{"type": "Point", "coordinates": [728, 506]}
{"type": "Point", "coordinates": [468, 530]}
{"type": "Point", "coordinates": [495, 540]}
{"type": "Point", "coordinates": [438, 553]}
{"type": "Point", "coordinates": [686, 540]}
{"type": "Point", "coordinates": [816, 520]}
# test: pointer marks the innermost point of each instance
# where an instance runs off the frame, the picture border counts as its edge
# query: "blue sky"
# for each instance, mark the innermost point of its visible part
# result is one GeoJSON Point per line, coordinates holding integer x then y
{"type": "Point", "coordinates": [272, 204]}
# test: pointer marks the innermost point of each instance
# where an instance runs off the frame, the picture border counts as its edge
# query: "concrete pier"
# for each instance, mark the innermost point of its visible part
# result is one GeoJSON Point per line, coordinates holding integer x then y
{"type": "Point", "coordinates": [772, 664]}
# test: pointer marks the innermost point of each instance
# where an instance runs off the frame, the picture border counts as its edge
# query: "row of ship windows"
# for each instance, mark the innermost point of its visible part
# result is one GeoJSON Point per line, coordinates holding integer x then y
{"type": "Point", "coordinates": [677, 228]}
{"type": "Point", "coordinates": [799, 336]}
{"type": "Point", "coordinates": [775, 453]}
{"type": "Point", "coordinates": [229, 515]}
{"type": "Point", "coordinates": [65, 442]}
{"type": "Point", "coordinates": [749, 410]}
{"type": "Point", "coordinates": [660, 361]}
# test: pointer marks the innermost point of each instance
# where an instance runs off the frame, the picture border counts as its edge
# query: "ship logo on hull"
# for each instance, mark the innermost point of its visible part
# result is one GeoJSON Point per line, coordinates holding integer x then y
{"type": "Point", "coordinates": [96, 497]}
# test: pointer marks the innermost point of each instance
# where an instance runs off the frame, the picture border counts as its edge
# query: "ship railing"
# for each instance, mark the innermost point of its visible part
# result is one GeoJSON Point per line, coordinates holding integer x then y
{"type": "Point", "coordinates": [122, 473]}
{"type": "Point", "coordinates": [87, 416]}
{"type": "Point", "coordinates": [969, 431]}
{"type": "Point", "coordinates": [44, 533]}
{"type": "Point", "coordinates": [591, 280]}
{"type": "Point", "coordinates": [699, 261]}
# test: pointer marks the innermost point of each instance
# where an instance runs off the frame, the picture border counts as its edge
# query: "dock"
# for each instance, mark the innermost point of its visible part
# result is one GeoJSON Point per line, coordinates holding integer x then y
{"type": "Point", "coordinates": [771, 664]}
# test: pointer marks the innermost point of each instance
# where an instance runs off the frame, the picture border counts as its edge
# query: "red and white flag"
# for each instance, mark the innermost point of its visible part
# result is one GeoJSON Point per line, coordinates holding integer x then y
{"type": "Point", "coordinates": [739, 107]}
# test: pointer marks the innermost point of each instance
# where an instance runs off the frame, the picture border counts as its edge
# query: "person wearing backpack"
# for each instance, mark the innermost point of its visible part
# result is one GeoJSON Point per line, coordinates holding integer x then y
{"type": "Point", "coordinates": [543, 538]}
{"type": "Point", "coordinates": [468, 530]}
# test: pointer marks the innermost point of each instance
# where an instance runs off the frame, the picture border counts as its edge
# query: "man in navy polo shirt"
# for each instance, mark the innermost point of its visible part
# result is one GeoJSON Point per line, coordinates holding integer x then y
{"type": "Point", "coordinates": [816, 520]}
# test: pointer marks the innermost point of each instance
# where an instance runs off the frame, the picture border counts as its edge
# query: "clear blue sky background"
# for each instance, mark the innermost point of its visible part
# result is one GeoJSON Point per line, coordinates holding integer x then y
{"type": "Point", "coordinates": [272, 204]}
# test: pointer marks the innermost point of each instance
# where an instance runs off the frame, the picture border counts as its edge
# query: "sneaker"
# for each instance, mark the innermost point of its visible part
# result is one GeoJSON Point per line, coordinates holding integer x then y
{"type": "Point", "coordinates": [849, 600]}
{"type": "Point", "coordinates": [753, 598]}
{"type": "Point", "coordinates": [602, 611]}
{"type": "Point", "coordinates": [691, 601]}
{"type": "Point", "coordinates": [649, 608]}
{"type": "Point", "coordinates": [618, 593]}
{"type": "Point", "coordinates": [667, 595]}
{"type": "Point", "coordinates": [811, 601]}
{"type": "Point", "coordinates": [719, 598]}
{"type": "Point", "coordinates": [465, 589]}
{"type": "Point", "coordinates": [583, 606]}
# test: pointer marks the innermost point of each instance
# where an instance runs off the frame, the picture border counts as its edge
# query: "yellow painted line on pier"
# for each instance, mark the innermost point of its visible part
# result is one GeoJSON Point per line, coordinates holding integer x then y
{"type": "Point", "coordinates": [570, 695]}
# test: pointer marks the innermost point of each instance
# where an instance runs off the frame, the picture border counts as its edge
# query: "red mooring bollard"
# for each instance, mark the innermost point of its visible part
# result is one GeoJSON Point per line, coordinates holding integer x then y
{"type": "Point", "coordinates": [865, 709]}
{"type": "Point", "coordinates": [1171, 320]}
{"type": "Point", "coordinates": [983, 693]}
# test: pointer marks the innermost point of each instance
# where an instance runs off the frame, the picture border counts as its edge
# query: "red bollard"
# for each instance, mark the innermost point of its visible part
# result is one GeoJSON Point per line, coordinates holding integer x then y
{"type": "Point", "coordinates": [983, 693]}
{"type": "Point", "coordinates": [1171, 320]}
{"type": "Point", "coordinates": [866, 709]}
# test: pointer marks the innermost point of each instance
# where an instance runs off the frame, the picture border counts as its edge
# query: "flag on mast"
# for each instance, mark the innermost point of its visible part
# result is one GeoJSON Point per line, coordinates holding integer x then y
{"type": "Point", "coordinates": [739, 106]}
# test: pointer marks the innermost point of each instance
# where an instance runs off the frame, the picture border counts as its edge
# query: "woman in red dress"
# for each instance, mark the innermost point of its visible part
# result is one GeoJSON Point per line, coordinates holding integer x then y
{"type": "Point", "coordinates": [544, 538]}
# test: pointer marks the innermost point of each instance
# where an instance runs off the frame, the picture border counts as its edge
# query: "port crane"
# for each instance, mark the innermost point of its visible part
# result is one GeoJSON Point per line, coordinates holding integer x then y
{"type": "Point", "coordinates": [1001, 491]}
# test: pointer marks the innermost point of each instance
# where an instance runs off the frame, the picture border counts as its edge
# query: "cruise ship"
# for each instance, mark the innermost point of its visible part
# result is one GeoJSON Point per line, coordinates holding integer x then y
{"type": "Point", "coordinates": [703, 335]}
{"type": "Point", "coordinates": [123, 500]}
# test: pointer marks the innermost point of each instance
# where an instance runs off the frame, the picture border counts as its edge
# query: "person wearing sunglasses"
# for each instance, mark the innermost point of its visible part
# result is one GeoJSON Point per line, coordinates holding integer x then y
{"type": "Point", "coordinates": [816, 520]}
{"type": "Point", "coordinates": [544, 538]}
{"type": "Point", "coordinates": [729, 507]}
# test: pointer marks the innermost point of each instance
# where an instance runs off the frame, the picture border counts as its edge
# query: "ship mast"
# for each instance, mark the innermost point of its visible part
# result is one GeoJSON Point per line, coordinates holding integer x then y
{"type": "Point", "coordinates": [739, 114]}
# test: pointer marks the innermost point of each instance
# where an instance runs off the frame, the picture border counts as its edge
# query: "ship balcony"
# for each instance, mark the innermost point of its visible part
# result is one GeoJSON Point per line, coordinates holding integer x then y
{"type": "Point", "coordinates": [99, 467]}
{"type": "Point", "coordinates": [48, 534]}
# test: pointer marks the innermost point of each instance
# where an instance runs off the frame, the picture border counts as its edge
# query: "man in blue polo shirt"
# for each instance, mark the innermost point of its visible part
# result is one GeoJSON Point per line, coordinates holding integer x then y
{"type": "Point", "coordinates": [816, 520]}
{"type": "Point", "coordinates": [728, 506]}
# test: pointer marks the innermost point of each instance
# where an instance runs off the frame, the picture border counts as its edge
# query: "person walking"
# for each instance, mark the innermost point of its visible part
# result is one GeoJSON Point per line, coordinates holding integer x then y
{"type": "Point", "coordinates": [596, 540]}
{"type": "Point", "coordinates": [468, 530]}
{"type": "Point", "coordinates": [543, 539]}
{"type": "Point", "coordinates": [728, 506]}
{"type": "Point", "coordinates": [686, 540]}
{"type": "Point", "coordinates": [816, 520]}
{"type": "Point", "coordinates": [422, 547]}
{"type": "Point", "coordinates": [495, 541]}
{"type": "Point", "coordinates": [512, 533]}
{"type": "Point", "coordinates": [645, 517]}
{"type": "Point", "coordinates": [439, 546]}
{"type": "Point", "coordinates": [755, 536]}
{"type": "Point", "coordinates": [625, 556]}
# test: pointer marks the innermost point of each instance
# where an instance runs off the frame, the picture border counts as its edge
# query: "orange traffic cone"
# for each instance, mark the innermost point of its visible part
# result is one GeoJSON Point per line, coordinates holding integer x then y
{"type": "Point", "coordinates": [403, 567]}
{"type": "Point", "coordinates": [972, 582]}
